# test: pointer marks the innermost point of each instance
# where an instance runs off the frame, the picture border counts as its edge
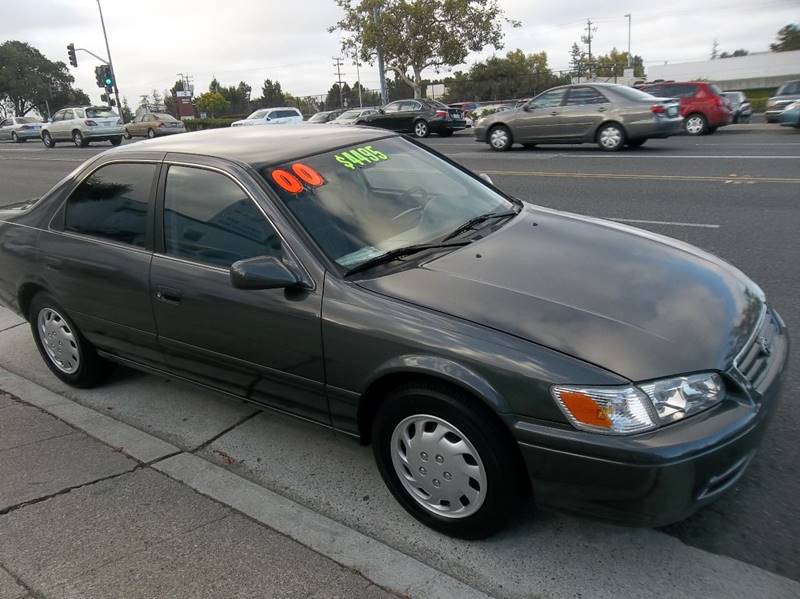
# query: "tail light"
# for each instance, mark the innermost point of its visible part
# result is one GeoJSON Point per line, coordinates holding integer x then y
{"type": "Point", "coordinates": [657, 109]}
{"type": "Point", "coordinates": [161, 125]}
{"type": "Point", "coordinates": [90, 123]}
{"type": "Point", "coordinates": [442, 114]}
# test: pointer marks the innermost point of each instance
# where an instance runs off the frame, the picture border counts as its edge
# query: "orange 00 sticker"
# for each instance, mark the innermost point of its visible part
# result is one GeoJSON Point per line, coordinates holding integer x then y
{"type": "Point", "coordinates": [287, 181]}
{"type": "Point", "coordinates": [308, 174]}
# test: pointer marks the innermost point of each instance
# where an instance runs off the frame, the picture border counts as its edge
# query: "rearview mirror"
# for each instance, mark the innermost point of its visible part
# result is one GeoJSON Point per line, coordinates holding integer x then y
{"type": "Point", "coordinates": [262, 272]}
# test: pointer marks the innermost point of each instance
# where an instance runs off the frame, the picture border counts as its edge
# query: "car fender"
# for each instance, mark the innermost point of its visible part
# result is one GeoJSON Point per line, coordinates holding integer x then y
{"type": "Point", "coordinates": [445, 370]}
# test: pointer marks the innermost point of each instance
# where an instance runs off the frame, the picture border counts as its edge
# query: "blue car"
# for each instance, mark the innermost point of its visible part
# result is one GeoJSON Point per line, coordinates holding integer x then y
{"type": "Point", "coordinates": [790, 117]}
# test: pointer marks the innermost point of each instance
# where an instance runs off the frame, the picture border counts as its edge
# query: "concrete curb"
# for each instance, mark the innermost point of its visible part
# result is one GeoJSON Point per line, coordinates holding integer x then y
{"type": "Point", "coordinates": [386, 567]}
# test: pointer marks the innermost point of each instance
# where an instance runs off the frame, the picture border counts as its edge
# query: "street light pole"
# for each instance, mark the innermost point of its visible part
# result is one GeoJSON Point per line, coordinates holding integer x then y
{"type": "Point", "coordinates": [110, 63]}
{"type": "Point", "coordinates": [630, 58]}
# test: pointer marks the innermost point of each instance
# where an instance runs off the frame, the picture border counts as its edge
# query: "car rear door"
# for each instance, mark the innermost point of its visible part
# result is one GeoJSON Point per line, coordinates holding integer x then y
{"type": "Point", "coordinates": [409, 111]}
{"type": "Point", "coordinates": [262, 344]}
{"type": "Point", "coordinates": [541, 119]}
{"type": "Point", "coordinates": [582, 112]}
{"type": "Point", "coordinates": [97, 254]}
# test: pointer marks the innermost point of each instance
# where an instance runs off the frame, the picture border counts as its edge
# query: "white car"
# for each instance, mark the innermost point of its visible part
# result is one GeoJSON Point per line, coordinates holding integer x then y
{"type": "Point", "coordinates": [83, 125]}
{"type": "Point", "coordinates": [19, 128]}
{"type": "Point", "coordinates": [271, 116]}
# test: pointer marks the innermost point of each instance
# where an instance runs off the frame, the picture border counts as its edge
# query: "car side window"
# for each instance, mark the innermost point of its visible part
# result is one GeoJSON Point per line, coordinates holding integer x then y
{"type": "Point", "coordinates": [208, 218]}
{"type": "Point", "coordinates": [67, 115]}
{"type": "Point", "coordinates": [549, 99]}
{"type": "Point", "coordinates": [112, 203]}
{"type": "Point", "coordinates": [78, 114]}
{"type": "Point", "coordinates": [410, 107]}
{"type": "Point", "coordinates": [579, 96]}
{"type": "Point", "coordinates": [393, 107]}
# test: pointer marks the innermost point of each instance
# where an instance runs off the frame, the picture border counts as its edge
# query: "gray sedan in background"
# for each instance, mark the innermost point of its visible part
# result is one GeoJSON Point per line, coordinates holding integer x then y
{"type": "Point", "coordinates": [610, 115]}
{"type": "Point", "coordinates": [20, 128]}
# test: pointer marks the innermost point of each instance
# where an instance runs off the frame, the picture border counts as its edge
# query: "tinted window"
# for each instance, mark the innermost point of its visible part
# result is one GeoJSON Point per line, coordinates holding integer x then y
{"type": "Point", "coordinates": [319, 117]}
{"type": "Point", "coordinates": [579, 96]}
{"type": "Point", "coordinates": [208, 218]}
{"type": "Point", "coordinates": [258, 114]}
{"type": "Point", "coordinates": [100, 113]}
{"type": "Point", "coordinates": [393, 107]}
{"type": "Point", "coordinates": [289, 113]}
{"type": "Point", "coordinates": [678, 91]}
{"type": "Point", "coordinates": [631, 93]}
{"type": "Point", "coordinates": [165, 117]}
{"type": "Point", "coordinates": [410, 107]}
{"type": "Point", "coordinates": [112, 203]}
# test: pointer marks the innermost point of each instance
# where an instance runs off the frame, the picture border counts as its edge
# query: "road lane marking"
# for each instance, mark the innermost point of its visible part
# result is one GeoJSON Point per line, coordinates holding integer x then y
{"type": "Point", "coordinates": [707, 178]}
{"type": "Point", "coordinates": [662, 222]}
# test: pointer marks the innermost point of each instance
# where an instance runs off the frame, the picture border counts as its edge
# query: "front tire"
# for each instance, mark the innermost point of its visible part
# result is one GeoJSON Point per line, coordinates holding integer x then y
{"type": "Point", "coordinates": [15, 138]}
{"type": "Point", "coordinates": [48, 140]}
{"type": "Point", "coordinates": [127, 134]}
{"type": "Point", "coordinates": [62, 346]}
{"type": "Point", "coordinates": [115, 141]}
{"type": "Point", "coordinates": [78, 140]}
{"type": "Point", "coordinates": [611, 137]}
{"type": "Point", "coordinates": [695, 124]}
{"type": "Point", "coordinates": [500, 139]}
{"type": "Point", "coordinates": [421, 129]}
{"type": "Point", "coordinates": [151, 134]}
{"type": "Point", "coordinates": [450, 465]}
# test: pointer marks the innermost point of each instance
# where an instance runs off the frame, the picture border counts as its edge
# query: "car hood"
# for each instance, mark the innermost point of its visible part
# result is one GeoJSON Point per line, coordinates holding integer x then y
{"type": "Point", "coordinates": [638, 304]}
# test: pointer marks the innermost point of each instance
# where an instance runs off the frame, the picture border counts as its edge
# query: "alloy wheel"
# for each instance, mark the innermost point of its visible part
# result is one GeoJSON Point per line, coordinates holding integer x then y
{"type": "Point", "coordinates": [421, 129]}
{"type": "Point", "coordinates": [59, 341]}
{"type": "Point", "coordinates": [77, 139]}
{"type": "Point", "coordinates": [438, 466]}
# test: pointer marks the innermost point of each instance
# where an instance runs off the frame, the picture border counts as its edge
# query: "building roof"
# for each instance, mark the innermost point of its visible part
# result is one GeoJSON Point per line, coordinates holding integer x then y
{"type": "Point", "coordinates": [261, 144]}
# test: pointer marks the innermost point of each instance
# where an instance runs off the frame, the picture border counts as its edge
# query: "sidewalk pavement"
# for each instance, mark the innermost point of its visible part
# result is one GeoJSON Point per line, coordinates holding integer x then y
{"type": "Point", "coordinates": [81, 519]}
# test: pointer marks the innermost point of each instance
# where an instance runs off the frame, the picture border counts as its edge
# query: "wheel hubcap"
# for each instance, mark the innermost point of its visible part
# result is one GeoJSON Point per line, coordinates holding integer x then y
{"type": "Point", "coordinates": [610, 137]}
{"type": "Point", "coordinates": [694, 125]}
{"type": "Point", "coordinates": [421, 129]}
{"type": "Point", "coordinates": [499, 138]}
{"type": "Point", "coordinates": [58, 340]}
{"type": "Point", "coordinates": [438, 466]}
{"type": "Point", "coordinates": [77, 139]}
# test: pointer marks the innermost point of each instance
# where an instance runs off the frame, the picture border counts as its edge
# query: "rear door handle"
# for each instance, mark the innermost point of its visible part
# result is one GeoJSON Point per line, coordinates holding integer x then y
{"type": "Point", "coordinates": [168, 294]}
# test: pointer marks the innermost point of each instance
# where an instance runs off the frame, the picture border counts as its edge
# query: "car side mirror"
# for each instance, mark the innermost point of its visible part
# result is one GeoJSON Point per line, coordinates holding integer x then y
{"type": "Point", "coordinates": [486, 178]}
{"type": "Point", "coordinates": [263, 272]}
{"type": "Point", "coordinates": [527, 107]}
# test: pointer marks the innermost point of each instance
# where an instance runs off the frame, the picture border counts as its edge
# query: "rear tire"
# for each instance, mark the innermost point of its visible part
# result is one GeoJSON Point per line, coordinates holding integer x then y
{"type": "Point", "coordinates": [695, 124]}
{"type": "Point", "coordinates": [421, 129]}
{"type": "Point", "coordinates": [448, 462]}
{"type": "Point", "coordinates": [15, 138]}
{"type": "Point", "coordinates": [500, 139]}
{"type": "Point", "coordinates": [127, 134]}
{"type": "Point", "coordinates": [150, 134]}
{"type": "Point", "coordinates": [115, 141]}
{"type": "Point", "coordinates": [62, 346]}
{"type": "Point", "coordinates": [79, 140]}
{"type": "Point", "coordinates": [48, 140]}
{"type": "Point", "coordinates": [611, 137]}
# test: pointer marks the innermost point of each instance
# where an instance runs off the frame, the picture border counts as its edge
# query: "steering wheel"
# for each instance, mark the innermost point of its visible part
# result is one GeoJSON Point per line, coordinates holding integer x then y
{"type": "Point", "coordinates": [417, 192]}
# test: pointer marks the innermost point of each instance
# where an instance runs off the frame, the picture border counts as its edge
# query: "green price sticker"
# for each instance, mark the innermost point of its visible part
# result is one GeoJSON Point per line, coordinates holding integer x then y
{"type": "Point", "coordinates": [360, 157]}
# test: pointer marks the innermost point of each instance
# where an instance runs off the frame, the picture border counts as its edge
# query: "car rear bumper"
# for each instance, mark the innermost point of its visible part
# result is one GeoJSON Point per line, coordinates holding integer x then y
{"type": "Point", "coordinates": [451, 125]}
{"type": "Point", "coordinates": [168, 131]}
{"type": "Point", "coordinates": [653, 478]}
{"type": "Point", "coordinates": [656, 127]}
{"type": "Point", "coordinates": [28, 133]}
{"type": "Point", "coordinates": [102, 133]}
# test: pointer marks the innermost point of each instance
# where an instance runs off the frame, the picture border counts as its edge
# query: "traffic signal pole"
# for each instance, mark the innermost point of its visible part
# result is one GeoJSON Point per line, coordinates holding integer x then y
{"type": "Point", "coordinates": [110, 63]}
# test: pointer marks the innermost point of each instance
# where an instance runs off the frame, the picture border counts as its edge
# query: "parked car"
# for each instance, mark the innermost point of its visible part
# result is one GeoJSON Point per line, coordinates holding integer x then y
{"type": "Point", "coordinates": [83, 125]}
{"type": "Point", "coordinates": [610, 115]}
{"type": "Point", "coordinates": [325, 116]}
{"type": "Point", "coordinates": [484, 111]}
{"type": "Point", "coordinates": [271, 116]}
{"type": "Point", "coordinates": [418, 117]}
{"type": "Point", "coordinates": [153, 124]}
{"type": "Point", "coordinates": [703, 107]}
{"type": "Point", "coordinates": [786, 94]}
{"type": "Point", "coordinates": [790, 117]}
{"type": "Point", "coordinates": [739, 105]}
{"type": "Point", "coordinates": [355, 278]}
{"type": "Point", "coordinates": [20, 129]}
{"type": "Point", "coordinates": [354, 116]}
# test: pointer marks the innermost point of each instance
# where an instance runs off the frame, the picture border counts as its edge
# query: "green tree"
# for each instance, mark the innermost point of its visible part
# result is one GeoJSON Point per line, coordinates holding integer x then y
{"type": "Point", "coordinates": [788, 39]}
{"type": "Point", "coordinates": [28, 80]}
{"type": "Point", "coordinates": [213, 103]}
{"type": "Point", "coordinates": [214, 86]}
{"type": "Point", "coordinates": [271, 94]}
{"type": "Point", "coordinates": [735, 53]}
{"type": "Point", "coordinates": [238, 97]}
{"type": "Point", "coordinates": [171, 99]}
{"type": "Point", "coordinates": [419, 34]}
{"type": "Point", "coordinates": [577, 60]}
{"type": "Point", "coordinates": [125, 111]}
{"type": "Point", "coordinates": [615, 62]}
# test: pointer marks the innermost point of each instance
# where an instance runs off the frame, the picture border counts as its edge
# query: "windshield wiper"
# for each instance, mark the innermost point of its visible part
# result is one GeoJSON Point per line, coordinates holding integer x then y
{"type": "Point", "coordinates": [470, 224]}
{"type": "Point", "coordinates": [396, 253]}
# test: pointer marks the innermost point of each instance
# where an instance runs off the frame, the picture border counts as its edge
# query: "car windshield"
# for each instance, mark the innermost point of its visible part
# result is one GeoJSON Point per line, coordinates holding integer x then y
{"type": "Point", "coordinates": [790, 88]}
{"type": "Point", "coordinates": [99, 113]}
{"type": "Point", "coordinates": [165, 117]}
{"type": "Point", "coordinates": [348, 116]}
{"type": "Point", "coordinates": [631, 93]}
{"type": "Point", "coordinates": [319, 117]}
{"type": "Point", "coordinates": [258, 114]}
{"type": "Point", "coordinates": [362, 201]}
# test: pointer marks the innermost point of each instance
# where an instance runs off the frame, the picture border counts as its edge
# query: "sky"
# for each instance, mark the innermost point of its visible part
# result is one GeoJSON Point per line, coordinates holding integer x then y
{"type": "Point", "coordinates": [154, 40]}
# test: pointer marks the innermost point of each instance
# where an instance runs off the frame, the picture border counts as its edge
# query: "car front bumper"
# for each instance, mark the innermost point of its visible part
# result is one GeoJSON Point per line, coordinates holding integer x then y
{"type": "Point", "coordinates": [653, 478]}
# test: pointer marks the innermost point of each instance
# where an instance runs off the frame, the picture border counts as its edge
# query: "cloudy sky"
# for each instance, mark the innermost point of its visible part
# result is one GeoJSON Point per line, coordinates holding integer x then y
{"type": "Point", "coordinates": [153, 40]}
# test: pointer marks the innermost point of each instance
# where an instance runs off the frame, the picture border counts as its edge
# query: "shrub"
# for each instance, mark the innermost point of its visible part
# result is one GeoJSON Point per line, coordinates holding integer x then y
{"type": "Point", "coordinates": [200, 124]}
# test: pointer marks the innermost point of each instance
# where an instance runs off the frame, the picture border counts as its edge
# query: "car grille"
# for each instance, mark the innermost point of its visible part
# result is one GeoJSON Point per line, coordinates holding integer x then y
{"type": "Point", "coordinates": [754, 360]}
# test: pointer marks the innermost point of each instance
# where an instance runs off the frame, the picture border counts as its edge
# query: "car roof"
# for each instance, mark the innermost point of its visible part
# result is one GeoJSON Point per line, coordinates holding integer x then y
{"type": "Point", "coordinates": [259, 145]}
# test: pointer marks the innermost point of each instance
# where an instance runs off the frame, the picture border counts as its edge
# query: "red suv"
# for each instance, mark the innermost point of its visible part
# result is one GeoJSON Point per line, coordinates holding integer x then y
{"type": "Point", "coordinates": [702, 105]}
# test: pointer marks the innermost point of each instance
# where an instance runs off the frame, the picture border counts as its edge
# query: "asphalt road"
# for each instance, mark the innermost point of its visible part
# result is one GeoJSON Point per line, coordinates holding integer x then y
{"type": "Point", "coordinates": [734, 193]}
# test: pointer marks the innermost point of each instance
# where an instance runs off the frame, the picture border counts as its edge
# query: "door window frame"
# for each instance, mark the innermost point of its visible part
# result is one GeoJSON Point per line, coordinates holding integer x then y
{"type": "Point", "coordinates": [570, 91]}
{"type": "Point", "coordinates": [159, 241]}
{"type": "Point", "coordinates": [563, 99]}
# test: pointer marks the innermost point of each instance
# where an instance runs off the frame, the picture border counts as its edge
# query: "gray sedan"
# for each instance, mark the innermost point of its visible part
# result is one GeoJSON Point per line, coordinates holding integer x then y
{"type": "Point", "coordinates": [610, 115]}
{"type": "Point", "coordinates": [19, 128]}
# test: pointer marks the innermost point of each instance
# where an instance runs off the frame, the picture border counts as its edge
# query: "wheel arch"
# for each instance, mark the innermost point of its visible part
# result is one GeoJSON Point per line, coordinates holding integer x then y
{"type": "Point", "coordinates": [25, 295]}
{"type": "Point", "coordinates": [408, 369]}
{"type": "Point", "coordinates": [606, 123]}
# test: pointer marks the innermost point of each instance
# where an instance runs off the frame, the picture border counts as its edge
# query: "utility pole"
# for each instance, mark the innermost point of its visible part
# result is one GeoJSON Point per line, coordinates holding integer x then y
{"type": "Point", "coordinates": [338, 73]}
{"type": "Point", "coordinates": [630, 58]}
{"type": "Point", "coordinates": [110, 63]}
{"type": "Point", "coordinates": [376, 13]}
{"type": "Point", "coordinates": [587, 39]}
{"type": "Point", "coordinates": [358, 78]}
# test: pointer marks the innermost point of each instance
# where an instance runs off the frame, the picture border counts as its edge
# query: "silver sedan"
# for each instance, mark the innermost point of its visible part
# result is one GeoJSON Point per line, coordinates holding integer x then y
{"type": "Point", "coordinates": [19, 128]}
{"type": "Point", "coordinates": [612, 116]}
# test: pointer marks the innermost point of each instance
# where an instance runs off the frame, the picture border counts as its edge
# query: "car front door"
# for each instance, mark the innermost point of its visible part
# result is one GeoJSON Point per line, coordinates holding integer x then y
{"type": "Point", "coordinates": [540, 118]}
{"type": "Point", "coordinates": [262, 344]}
{"type": "Point", "coordinates": [96, 258]}
{"type": "Point", "coordinates": [384, 119]}
{"type": "Point", "coordinates": [409, 111]}
{"type": "Point", "coordinates": [583, 110]}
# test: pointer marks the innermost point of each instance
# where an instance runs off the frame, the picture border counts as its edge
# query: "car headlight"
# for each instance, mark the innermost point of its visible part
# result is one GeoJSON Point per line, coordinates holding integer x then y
{"type": "Point", "coordinates": [634, 409]}
{"type": "Point", "coordinates": [771, 103]}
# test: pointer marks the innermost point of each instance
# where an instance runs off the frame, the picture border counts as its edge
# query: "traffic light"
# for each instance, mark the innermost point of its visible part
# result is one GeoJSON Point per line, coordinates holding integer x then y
{"type": "Point", "coordinates": [102, 75]}
{"type": "Point", "coordinates": [73, 60]}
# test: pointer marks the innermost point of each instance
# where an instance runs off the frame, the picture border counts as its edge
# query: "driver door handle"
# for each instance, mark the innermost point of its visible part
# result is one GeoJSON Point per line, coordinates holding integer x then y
{"type": "Point", "coordinates": [601, 109]}
{"type": "Point", "coordinates": [168, 294]}
{"type": "Point", "coordinates": [554, 113]}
